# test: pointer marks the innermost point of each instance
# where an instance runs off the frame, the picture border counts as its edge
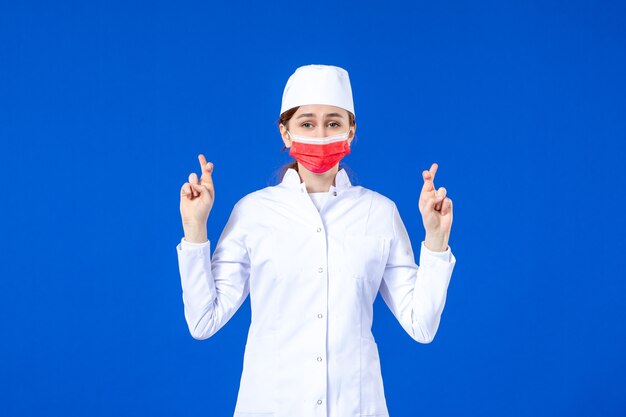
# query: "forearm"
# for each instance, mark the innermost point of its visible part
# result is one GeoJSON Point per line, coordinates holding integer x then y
{"type": "Point", "coordinates": [195, 233]}
{"type": "Point", "coordinates": [436, 242]}
{"type": "Point", "coordinates": [429, 297]}
{"type": "Point", "coordinates": [198, 287]}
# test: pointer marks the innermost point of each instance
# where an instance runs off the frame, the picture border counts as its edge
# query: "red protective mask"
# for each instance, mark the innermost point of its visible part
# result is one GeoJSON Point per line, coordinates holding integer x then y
{"type": "Point", "coordinates": [319, 154]}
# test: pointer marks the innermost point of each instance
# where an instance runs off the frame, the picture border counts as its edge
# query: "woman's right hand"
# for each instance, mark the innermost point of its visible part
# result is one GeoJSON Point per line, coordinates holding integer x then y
{"type": "Point", "coordinates": [197, 196]}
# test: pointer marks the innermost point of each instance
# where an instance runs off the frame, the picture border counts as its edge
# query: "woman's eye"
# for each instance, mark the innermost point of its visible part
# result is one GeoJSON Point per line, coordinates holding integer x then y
{"type": "Point", "coordinates": [307, 124]}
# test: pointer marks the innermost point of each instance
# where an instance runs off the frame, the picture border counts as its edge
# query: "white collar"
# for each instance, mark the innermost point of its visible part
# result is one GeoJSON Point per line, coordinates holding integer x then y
{"type": "Point", "coordinates": [291, 179]}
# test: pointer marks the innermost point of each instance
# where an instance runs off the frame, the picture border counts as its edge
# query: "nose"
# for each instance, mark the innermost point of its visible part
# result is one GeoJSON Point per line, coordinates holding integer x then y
{"type": "Point", "coordinates": [321, 132]}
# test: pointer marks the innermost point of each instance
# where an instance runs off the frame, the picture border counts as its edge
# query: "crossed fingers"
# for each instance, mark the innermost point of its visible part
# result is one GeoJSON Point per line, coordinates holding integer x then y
{"type": "Point", "coordinates": [194, 187]}
{"type": "Point", "coordinates": [429, 191]}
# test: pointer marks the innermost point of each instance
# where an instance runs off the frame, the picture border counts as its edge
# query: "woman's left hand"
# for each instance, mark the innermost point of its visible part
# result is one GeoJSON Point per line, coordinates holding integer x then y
{"type": "Point", "coordinates": [436, 211]}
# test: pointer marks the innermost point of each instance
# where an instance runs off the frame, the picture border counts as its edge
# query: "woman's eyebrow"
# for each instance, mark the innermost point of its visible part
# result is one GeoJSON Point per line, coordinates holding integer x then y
{"type": "Point", "coordinates": [313, 115]}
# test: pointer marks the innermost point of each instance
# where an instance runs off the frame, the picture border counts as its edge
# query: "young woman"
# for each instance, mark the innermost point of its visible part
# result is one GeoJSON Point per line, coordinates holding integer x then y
{"type": "Point", "coordinates": [313, 252]}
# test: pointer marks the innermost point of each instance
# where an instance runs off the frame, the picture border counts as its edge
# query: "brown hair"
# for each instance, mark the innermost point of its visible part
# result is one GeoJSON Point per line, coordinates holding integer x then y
{"type": "Point", "coordinates": [284, 119]}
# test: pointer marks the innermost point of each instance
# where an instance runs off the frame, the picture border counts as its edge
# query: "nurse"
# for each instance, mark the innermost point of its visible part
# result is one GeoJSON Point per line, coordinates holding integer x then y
{"type": "Point", "coordinates": [313, 252]}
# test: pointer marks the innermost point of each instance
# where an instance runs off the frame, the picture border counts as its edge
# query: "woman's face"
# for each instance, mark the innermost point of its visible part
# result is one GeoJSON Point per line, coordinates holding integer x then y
{"type": "Point", "coordinates": [317, 120]}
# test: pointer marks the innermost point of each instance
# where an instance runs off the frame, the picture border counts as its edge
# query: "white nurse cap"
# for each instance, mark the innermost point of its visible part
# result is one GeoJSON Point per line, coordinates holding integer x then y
{"type": "Point", "coordinates": [318, 84]}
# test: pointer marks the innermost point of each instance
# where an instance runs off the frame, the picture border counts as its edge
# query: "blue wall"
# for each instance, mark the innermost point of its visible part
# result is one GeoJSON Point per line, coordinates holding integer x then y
{"type": "Point", "coordinates": [104, 107]}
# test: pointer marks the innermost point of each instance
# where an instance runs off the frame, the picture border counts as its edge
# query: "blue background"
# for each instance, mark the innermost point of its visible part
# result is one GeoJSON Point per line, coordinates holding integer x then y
{"type": "Point", "coordinates": [104, 107]}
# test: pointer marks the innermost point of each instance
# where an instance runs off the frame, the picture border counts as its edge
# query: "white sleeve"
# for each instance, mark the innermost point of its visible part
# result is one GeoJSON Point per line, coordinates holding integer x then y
{"type": "Point", "coordinates": [416, 295]}
{"type": "Point", "coordinates": [214, 289]}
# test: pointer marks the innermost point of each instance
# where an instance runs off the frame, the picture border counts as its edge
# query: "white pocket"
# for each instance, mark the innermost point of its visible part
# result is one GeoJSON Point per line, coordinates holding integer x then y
{"type": "Point", "coordinates": [365, 256]}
